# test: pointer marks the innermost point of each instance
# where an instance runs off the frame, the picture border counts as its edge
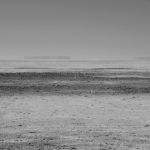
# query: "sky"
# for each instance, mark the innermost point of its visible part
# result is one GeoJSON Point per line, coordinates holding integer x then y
{"type": "Point", "coordinates": [80, 29]}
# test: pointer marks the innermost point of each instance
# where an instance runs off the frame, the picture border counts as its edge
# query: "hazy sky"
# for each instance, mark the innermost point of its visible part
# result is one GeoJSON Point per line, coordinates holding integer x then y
{"type": "Point", "coordinates": [82, 29]}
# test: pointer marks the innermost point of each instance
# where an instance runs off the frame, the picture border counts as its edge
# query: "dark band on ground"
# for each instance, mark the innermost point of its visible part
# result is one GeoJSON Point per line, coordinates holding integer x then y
{"type": "Point", "coordinates": [98, 82]}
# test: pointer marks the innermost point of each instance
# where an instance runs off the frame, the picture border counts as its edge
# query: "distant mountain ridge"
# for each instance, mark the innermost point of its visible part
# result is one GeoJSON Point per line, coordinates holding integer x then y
{"type": "Point", "coordinates": [48, 57]}
{"type": "Point", "coordinates": [144, 58]}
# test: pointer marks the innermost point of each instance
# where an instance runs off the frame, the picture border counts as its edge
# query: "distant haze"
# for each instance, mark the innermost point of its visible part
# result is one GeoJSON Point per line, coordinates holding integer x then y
{"type": "Point", "coordinates": [80, 29]}
{"type": "Point", "coordinates": [144, 58]}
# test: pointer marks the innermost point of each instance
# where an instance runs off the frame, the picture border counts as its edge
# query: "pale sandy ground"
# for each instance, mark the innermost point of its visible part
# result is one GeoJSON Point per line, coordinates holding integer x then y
{"type": "Point", "coordinates": [103, 122]}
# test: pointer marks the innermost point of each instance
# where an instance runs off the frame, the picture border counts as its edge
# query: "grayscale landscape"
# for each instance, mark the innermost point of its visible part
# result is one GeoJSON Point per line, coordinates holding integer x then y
{"type": "Point", "coordinates": [75, 108]}
{"type": "Point", "coordinates": [74, 74]}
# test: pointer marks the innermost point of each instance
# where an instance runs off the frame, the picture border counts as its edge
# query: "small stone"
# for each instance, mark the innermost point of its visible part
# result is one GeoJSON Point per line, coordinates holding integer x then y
{"type": "Point", "coordinates": [20, 125]}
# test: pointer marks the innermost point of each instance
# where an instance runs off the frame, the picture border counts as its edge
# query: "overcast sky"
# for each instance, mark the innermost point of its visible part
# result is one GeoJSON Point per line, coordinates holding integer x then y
{"type": "Point", "coordinates": [81, 29]}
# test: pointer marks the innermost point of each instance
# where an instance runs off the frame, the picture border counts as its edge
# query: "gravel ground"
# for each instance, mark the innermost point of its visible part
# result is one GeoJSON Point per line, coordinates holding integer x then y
{"type": "Point", "coordinates": [83, 110]}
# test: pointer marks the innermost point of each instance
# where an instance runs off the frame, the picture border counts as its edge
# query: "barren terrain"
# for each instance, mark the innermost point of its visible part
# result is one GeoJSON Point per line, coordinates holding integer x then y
{"type": "Point", "coordinates": [82, 109]}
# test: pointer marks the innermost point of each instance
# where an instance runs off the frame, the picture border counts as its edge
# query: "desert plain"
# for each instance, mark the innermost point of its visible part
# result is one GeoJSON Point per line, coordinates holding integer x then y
{"type": "Point", "coordinates": [75, 109]}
